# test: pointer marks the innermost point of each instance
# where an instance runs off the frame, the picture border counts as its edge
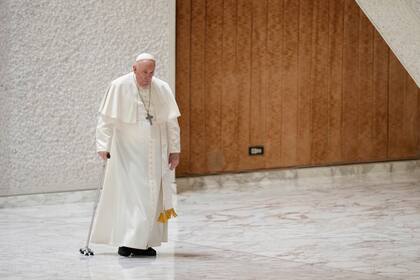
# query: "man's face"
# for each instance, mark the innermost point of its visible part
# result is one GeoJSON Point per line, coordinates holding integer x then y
{"type": "Point", "coordinates": [144, 70]}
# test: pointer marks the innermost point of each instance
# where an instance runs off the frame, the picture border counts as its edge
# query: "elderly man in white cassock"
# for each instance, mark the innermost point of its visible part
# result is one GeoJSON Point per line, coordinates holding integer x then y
{"type": "Point", "coordinates": [138, 129]}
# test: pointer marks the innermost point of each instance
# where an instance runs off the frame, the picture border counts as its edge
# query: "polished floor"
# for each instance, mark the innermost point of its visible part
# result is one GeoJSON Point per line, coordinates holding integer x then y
{"type": "Point", "coordinates": [348, 227]}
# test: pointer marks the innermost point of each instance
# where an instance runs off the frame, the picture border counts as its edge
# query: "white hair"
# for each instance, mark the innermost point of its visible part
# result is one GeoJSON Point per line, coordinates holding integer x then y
{"type": "Point", "coordinates": [145, 56]}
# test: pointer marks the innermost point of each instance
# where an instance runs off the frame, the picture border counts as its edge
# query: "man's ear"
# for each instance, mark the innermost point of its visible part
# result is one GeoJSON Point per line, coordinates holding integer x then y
{"type": "Point", "coordinates": [134, 68]}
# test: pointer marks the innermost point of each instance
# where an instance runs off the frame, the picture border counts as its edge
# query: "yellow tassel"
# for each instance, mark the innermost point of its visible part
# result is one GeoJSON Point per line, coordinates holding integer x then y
{"type": "Point", "coordinates": [166, 215]}
{"type": "Point", "coordinates": [162, 218]}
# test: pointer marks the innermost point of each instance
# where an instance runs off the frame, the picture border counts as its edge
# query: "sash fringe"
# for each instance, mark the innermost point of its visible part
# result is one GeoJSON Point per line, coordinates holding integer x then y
{"type": "Point", "coordinates": [165, 215]}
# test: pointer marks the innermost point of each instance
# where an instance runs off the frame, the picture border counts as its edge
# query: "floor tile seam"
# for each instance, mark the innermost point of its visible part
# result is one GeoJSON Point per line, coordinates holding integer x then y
{"type": "Point", "coordinates": [412, 182]}
{"type": "Point", "coordinates": [291, 261]}
{"type": "Point", "coordinates": [263, 179]}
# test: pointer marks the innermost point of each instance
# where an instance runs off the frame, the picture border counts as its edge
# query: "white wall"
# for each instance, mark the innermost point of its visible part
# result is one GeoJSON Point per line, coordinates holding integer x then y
{"type": "Point", "coordinates": [56, 60]}
{"type": "Point", "coordinates": [399, 24]}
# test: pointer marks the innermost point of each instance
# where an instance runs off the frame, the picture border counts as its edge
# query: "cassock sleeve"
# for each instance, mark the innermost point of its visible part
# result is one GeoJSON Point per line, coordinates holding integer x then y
{"type": "Point", "coordinates": [174, 143]}
{"type": "Point", "coordinates": [104, 133]}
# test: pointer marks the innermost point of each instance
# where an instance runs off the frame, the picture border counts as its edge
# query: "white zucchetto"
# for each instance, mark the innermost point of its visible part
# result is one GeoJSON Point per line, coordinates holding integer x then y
{"type": "Point", "coordinates": [145, 56]}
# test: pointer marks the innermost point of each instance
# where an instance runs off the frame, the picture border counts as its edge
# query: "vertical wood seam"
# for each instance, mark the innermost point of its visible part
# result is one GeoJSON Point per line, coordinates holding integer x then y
{"type": "Point", "coordinates": [403, 117]}
{"type": "Point", "coordinates": [237, 112]}
{"type": "Point", "coordinates": [267, 96]}
{"type": "Point", "coordinates": [311, 78]}
{"type": "Point", "coordinates": [374, 96]}
{"type": "Point", "coordinates": [372, 88]}
{"type": "Point", "coordinates": [342, 81]}
{"type": "Point", "coordinates": [222, 94]}
{"type": "Point", "coordinates": [358, 77]}
{"type": "Point", "coordinates": [387, 101]}
{"type": "Point", "coordinates": [329, 85]}
{"type": "Point", "coordinates": [205, 85]}
{"type": "Point", "coordinates": [189, 90]}
{"type": "Point", "coordinates": [281, 81]}
{"type": "Point", "coordinates": [250, 75]}
{"type": "Point", "coordinates": [297, 81]}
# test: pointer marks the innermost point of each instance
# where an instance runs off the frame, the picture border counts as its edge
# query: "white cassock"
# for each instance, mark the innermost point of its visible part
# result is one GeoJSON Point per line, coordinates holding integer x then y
{"type": "Point", "coordinates": [136, 200]}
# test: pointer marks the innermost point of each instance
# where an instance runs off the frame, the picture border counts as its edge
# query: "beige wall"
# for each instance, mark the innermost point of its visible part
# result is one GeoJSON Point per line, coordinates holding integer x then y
{"type": "Point", "coordinates": [399, 23]}
{"type": "Point", "coordinates": [57, 58]}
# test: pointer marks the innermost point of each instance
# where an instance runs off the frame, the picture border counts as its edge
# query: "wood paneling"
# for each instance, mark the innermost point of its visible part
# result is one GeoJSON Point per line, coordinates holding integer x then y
{"type": "Point", "coordinates": [197, 97]}
{"type": "Point", "coordinates": [214, 78]}
{"type": "Point", "coordinates": [380, 89]}
{"type": "Point", "coordinates": [335, 90]}
{"type": "Point", "coordinates": [305, 82]}
{"type": "Point", "coordinates": [321, 81]}
{"type": "Point", "coordinates": [230, 94]}
{"type": "Point", "coordinates": [289, 82]}
{"type": "Point", "coordinates": [243, 73]}
{"type": "Point", "coordinates": [258, 98]}
{"type": "Point", "coordinates": [351, 84]}
{"type": "Point", "coordinates": [183, 41]}
{"type": "Point", "coordinates": [311, 80]}
{"type": "Point", "coordinates": [366, 97]}
{"type": "Point", "coordinates": [275, 21]}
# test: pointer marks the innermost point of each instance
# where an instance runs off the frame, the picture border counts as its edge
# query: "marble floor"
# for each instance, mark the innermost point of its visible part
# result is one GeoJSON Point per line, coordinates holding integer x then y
{"type": "Point", "coordinates": [348, 227]}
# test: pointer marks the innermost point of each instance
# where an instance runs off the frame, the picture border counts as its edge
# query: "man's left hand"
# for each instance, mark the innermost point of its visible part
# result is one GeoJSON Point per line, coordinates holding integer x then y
{"type": "Point", "coordinates": [173, 160]}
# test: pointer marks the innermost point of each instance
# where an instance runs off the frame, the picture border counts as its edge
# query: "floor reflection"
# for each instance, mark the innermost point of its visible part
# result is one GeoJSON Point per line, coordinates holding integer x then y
{"type": "Point", "coordinates": [342, 228]}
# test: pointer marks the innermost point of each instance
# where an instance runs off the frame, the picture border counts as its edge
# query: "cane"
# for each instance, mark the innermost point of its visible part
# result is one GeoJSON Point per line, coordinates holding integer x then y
{"type": "Point", "coordinates": [86, 250]}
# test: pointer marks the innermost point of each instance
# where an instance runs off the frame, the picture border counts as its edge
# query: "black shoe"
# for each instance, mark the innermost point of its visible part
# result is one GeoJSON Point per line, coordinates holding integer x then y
{"type": "Point", "coordinates": [124, 251]}
{"type": "Point", "coordinates": [149, 252]}
{"type": "Point", "coordinates": [127, 252]}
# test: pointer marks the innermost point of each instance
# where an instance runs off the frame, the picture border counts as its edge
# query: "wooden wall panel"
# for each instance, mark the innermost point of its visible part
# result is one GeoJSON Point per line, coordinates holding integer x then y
{"type": "Point", "coordinates": [305, 81]}
{"type": "Point", "coordinates": [396, 108]}
{"type": "Point", "coordinates": [183, 70]}
{"type": "Point", "coordinates": [380, 89]}
{"type": "Point", "coordinates": [366, 98]}
{"type": "Point", "coordinates": [289, 85]}
{"type": "Point", "coordinates": [244, 29]}
{"type": "Point", "coordinates": [418, 123]}
{"type": "Point", "coordinates": [321, 80]}
{"type": "Point", "coordinates": [214, 79]}
{"type": "Point", "coordinates": [257, 113]}
{"type": "Point", "coordinates": [311, 80]}
{"type": "Point", "coordinates": [412, 126]}
{"type": "Point", "coordinates": [350, 110]}
{"type": "Point", "coordinates": [230, 95]}
{"type": "Point", "coordinates": [275, 23]}
{"type": "Point", "coordinates": [197, 117]}
{"type": "Point", "coordinates": [336, 38]}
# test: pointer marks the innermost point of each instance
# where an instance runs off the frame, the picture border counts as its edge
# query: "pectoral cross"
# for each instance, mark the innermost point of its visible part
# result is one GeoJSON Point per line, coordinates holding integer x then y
{"type": "Point", "coordinates": [149, 118]}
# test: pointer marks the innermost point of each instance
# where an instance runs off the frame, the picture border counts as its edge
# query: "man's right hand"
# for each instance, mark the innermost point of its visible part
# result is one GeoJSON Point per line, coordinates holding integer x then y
{"type": "Point", "coordinates": [104, 155]}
